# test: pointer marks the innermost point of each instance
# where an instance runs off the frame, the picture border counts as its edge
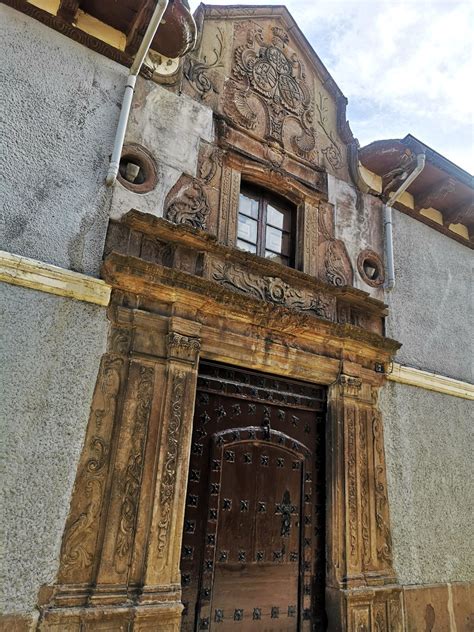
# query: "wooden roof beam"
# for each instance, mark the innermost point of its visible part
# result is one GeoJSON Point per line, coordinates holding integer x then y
{"type": "Point", "coordinates": [68, 10]}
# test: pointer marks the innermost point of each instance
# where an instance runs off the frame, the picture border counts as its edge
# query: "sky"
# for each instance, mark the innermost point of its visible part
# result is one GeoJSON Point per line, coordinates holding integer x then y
{"type": "Point", "coordinates": [406, 66]}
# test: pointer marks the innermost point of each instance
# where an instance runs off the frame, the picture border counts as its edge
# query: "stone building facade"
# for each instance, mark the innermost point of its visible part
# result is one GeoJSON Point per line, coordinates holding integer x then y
{"type": "Point", "coordinates": [210, 419]}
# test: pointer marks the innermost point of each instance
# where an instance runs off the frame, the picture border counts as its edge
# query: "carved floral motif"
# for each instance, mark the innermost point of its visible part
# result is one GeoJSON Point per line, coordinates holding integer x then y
{"type": "Point", "coordinates": [332, 152]}
{"type": "Point", "coordinates": [78, 540]}
{"type": "Point", "coordinates": [133, 472]}
{"type": "Point", "coordinates": [364, 488]}
{"type": "Point", "coordinates": [197, 72]}
{"type": "Point", "coordinates": [352, 481]}
{"type": "Point", "coordinates": [183, 347]}
{"type": "Point", "coordinates": [190, 206]}
{"type": "Point", "coordinates": [270, 289]}
{"type": "Point", "coordinates": [168, 481]}
{"type": "Point", "coordinates": [384, 551]}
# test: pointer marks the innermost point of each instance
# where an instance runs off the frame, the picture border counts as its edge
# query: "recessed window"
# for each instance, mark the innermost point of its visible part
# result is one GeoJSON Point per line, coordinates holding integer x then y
{"type": "Point", "coordinates": [266, 225]}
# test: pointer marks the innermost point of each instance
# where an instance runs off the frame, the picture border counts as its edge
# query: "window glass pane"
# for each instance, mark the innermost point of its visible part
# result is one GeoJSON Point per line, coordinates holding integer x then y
{"type": "Point", "coordinates": [247, 228]}
{"type": "Point", "coordinates": [243, 245]}
{"type": "Point", "coordinates": [277, 258]}
{"type": "Point", "coordinates": [273, 240]}
{"type": "Point", "coordinates": [248, 206]}
{"type": "Point", "coordinates": [274, 216]}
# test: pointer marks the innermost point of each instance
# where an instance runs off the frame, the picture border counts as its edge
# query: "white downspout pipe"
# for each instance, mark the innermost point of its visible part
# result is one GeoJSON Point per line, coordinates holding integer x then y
{"type": "Point", "coordinates": [388, 223]}
{"type": "Point", "coordinates": [130, 88]}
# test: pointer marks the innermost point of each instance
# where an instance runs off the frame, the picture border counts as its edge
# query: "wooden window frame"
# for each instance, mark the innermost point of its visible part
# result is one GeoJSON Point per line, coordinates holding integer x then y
{"type": "Point", "coordinates": [264, 197]}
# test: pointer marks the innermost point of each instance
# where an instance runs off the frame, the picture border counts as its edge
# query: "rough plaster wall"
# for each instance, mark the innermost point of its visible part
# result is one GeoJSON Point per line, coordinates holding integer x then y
{"type": "Point", "coordinates": [62, 104]}
{"type": "Point", "coordinates": [428, 442]}
{"type": "Point", "coordinates": [170, 127]}
{"type": "Point", "coordinates": [358, 223]}
{"type": "Point", "coordinates": [431, 307]}
{"type": "Point", "coordinates": [51, 348]}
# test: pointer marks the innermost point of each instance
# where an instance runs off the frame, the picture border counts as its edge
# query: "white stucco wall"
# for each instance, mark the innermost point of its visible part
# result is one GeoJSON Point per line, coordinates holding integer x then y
{"type": "Point", "coordinates": [170, 127]}
{"type": "Point", "coordinates": [429, 436]}
{"type": "Point", "coordinates": [50, 348]}
{"type": "Point", "coordinates": [60, 104]}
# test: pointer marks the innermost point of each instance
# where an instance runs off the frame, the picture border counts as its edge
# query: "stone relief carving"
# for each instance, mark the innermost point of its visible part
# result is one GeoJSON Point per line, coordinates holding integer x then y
{"type": "Point", "coordinates": [197, 72]}
{"type": "Point", "coordinates": [78, 540]}
{"type": "Point", "coordinates": [332, 152]}
{"type": "Point", "coordinates": [189, 205]}
{"type": "Point", "coordinates": [364, 488]}
{"type": "Point", "coordinates": [168, 481]}
{"type": "Point", "coordinates": [274, 75]}
{"type": "Point", "coordinates": [384, 551]}
{"type": "Point", "coordinates": [211, 162]}
{"type": "Point", "coordinates": [133, 471]}
{"type": "Point", "coordinates": [352, 483]}
{"type": "Point", "coordinates": [75, 552]}
{"type": "Point", "coordinates": [336, 262]}
{"type": "Point", "coordinates": [271, 289]}
{"type": "Point", "coordinates": [183, 347]}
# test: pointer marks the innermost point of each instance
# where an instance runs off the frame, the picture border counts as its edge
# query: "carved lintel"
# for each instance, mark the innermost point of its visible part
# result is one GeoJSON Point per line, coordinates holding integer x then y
{"type": "Point", "coordinates": [182, 347]}
{"type": "Point", "coordinates": [273, 290]}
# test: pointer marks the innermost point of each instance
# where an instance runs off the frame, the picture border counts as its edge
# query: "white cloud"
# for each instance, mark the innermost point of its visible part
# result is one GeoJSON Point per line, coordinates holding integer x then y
{"type": "Point", "coordinates": [406, 66]}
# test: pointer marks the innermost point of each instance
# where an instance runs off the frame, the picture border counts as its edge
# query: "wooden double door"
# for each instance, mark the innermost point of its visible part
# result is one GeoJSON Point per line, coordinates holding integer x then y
{"type": "Point", "coordinates": [253, 545]}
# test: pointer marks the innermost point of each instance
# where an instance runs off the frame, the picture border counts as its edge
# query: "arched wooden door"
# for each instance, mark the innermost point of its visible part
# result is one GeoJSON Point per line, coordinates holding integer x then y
{"type": "Point", "coordinates": [253, 545]}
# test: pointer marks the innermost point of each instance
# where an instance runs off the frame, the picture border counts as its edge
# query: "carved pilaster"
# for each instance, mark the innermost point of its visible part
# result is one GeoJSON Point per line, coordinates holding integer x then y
{"type": "Point", "coordinates": [308, 248]}
{"type": "Point", "coordinates": [362, 591]}
{"type": "Point", "coordinates": [164, 545]}
{"type": "Point", "coordinates": [81, 534]}
{"type": "Point", "coordinates": [229, 205]}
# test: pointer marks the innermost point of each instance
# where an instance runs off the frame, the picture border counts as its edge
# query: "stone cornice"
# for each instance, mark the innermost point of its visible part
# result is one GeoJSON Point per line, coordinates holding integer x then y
{"type": "Point", "coordinates": [131, 274]}
{"type": "Point", "coordinates": [45, 277]}
{"type": "Point", "coordinates": [431, 381]}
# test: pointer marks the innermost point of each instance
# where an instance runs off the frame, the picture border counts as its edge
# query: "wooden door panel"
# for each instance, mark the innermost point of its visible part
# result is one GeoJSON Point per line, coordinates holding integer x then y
{"type": "Point", "coordinates": [252, 556]}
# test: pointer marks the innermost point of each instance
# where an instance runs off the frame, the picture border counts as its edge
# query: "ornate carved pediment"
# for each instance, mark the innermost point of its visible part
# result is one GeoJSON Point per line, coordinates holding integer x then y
{"type": "Point", "coordinates": [268, 70]}
{"type": "Point", "coordinates": [256, 70]}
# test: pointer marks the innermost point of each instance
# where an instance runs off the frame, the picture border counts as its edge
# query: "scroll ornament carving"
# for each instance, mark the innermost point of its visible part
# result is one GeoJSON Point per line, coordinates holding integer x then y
{"type": "Point", "coordinates": [133, 472]}
{"type": "Point", "coordinates": [364, 491]}
{"type": "Point", "coordinates": [337, 265]}
{"type": "Point", "coordinates": [183, 347]}
{"type": "Point", "coordinates": [395, 615]}
{"type": "Point", "coordinates": [77, 550]}
{"type": "Point", "coordinates": [168, 482]}
{"type": "Point", "coordinates": [332, 152]}
{"type": "Point", "coordinates": [270, 289]}
{"type": "Point", "coordinates": [350, 386]}
{"type": "Point", "coordinates": [384, 552]}
{"type": "Point", "coordinates": [276, 77]}
{"type": "Point", "coordinates": [352, 495]}
{"type": "Point", "coordinates": [197, 72]}
{"type": "Point", "coordinates": [189, 207]}
{"type": "Point", "coordinates": [209, 166]}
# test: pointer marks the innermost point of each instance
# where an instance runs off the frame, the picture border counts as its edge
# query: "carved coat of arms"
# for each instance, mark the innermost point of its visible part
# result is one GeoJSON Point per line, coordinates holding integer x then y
{"type": "Point", "coordinates": [276, 77]}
